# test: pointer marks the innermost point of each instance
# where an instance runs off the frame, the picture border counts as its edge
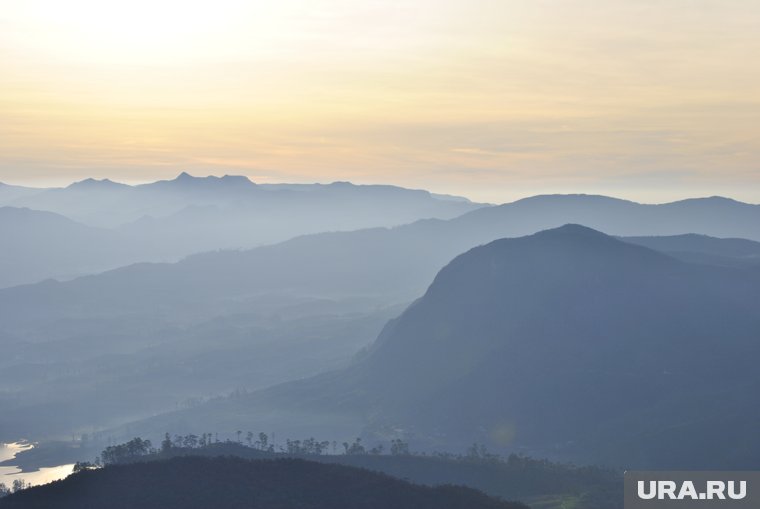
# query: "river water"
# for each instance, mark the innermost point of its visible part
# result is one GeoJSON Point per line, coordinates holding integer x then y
{"type": "Point", "coordinates": [36, 477]}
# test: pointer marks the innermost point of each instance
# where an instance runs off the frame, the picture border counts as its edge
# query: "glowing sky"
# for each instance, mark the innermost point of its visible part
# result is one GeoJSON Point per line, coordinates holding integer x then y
{"type": "Point", "coordinates": [493, 99]}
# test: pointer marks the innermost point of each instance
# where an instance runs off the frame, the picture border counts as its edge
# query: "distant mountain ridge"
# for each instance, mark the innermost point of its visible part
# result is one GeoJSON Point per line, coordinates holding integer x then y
{"type": "Point", "coordinates": [715, 216]}
{"type": "Point", "coordinates": [395, 264]}
{"type": "Point", "coordinates": [168, 220]}
{"type": "Point", "coordinates": [212, 213]}
{"type": "Point", "coordinates": [9, 193]}
{"type": "Point", "coordinates": [730, 252]}
{"type": "Point", "coordinates": [91, 183]}
{"type": "Point", "coordinates": [105, 203]}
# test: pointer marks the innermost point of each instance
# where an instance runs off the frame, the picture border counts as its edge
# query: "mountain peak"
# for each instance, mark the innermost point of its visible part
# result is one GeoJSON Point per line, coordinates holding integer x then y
{"type": "Point", "coordinates": [716, 200]}
{"type": "Point", "coordinates": [91, 183]}
{"type": "Point", "coordinates": [572, 198]}
{"type": "Point", "coordinates": [231, 180]}
{"type": "Point", "coordinates": [549, 251]}
{"type": "Point", "coordinates": [596, 243]}
{"type": "Point", "coordinates": [573, 230]}
{"type": "Point", "coordinates": [237, 180]}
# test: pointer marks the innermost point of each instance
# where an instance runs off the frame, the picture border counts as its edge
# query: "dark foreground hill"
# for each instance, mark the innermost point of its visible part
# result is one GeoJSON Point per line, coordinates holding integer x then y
{"type": "Point", "coordinates": [568, 343]}
{"type": "Point", "coordinates": [232, 483]}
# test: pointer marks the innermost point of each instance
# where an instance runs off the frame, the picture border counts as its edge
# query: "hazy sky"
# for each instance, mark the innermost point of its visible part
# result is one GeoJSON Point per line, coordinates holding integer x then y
{"type": "Point", "coordinates": [493, 99]}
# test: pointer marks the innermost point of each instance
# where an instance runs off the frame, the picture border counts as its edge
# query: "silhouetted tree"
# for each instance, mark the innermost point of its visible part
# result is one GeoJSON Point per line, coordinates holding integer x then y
{"type": "Point", "coordinates": [83, 465]}
{"type": "Point", "coordinates": [292, 446]}
{"type": "Point", "coordinates": [263, 442]}
{"type": "Point", "coordinates": [133, 449]}
{"type": "Point", "coordinates": [399, 447]}
{"type": "Point", "coordinates": [355, 448]}
{"type": "Point", "coordinates": [479, 451]}
{"type": "Point", "coordinates": [166, 444]}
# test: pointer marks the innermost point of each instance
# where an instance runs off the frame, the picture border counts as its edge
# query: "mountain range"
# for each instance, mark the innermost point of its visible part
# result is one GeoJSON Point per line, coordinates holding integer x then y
{"type": "Point", "coordinates": [211, 224]}
{"type": "Point", "coordinates": [96, 225]}
{"type": "Point", "coordinates": [388, 265]}
{"type": "Point", "coordinates": [232, 318]}
{"type": "Point", "coordinates": [108, 204]}
{"type": "Point", "coordinates": [566, 343]}
{"type": "Point", "coordinates": [218, 321]}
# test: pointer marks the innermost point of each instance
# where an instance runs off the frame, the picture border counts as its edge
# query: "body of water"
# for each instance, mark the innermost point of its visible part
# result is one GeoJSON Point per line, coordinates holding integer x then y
{"type": "Point", "coordinates": [35, 477]}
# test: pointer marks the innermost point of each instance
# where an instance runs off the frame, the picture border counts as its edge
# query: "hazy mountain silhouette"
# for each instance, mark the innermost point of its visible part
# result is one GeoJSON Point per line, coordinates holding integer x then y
{"type": "Point", "coordinates": [391, 265]}
{"type": "Point", "coordinates": [704, 249]}
{"type": "Point", "coordinates": [37, 245]}
{"type": "Point", "coordinates": [93, 202]}
{"type": "Point", "coordinates": [196, 482]}
{"type": "Point", "coordinates": [95, 184]}
{"type": "Point", "coordinates": [232, 318]}
{"type": "Point", "coordinates": [307, 208]}
{"type": "Point", "coordinates": [168, 220]}
{"type": "Point", "coordinates": [567, 343]}
{"type": "Point", "coordinates": [9, 192]}
{"type": "Point", "coordinates": [715, 216]}
{"type": "Point", "coordinates": [185, 182]}
{"type": "Point", "coordinates": [148, 314]}
{"type": "Point", "coordinates": [211, 223]}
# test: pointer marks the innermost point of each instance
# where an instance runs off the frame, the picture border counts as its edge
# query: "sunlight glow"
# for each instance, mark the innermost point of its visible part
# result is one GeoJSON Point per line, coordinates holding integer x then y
{"type": "Point", "coordinates": [143, 31]}
{"type": "Point", "coordinates": [491, 98]}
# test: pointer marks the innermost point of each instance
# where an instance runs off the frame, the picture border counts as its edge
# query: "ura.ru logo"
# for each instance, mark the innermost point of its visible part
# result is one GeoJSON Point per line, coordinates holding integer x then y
{"type": "Point", "coordinates": [671, 490]}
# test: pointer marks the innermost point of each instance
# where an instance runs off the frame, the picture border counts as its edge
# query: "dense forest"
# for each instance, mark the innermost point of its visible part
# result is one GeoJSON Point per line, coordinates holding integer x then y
{"type": "Point", "coordinates": [226, 482]}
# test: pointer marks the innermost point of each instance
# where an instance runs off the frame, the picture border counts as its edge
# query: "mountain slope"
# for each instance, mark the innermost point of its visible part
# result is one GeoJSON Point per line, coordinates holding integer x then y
{"type": "Point", "coordinates": [566, 343]}
{"type": "Point", "coordinates": [38, 244]}
{"type": "Point", "coordinates": [195, 482]}
{"type": "Point", "coordinates": [571, 337]}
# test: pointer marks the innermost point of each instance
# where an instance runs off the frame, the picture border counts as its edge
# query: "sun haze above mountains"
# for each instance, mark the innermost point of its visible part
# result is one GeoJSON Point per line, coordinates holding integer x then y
{"type": "Point", "coordinates": [494, 99]}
